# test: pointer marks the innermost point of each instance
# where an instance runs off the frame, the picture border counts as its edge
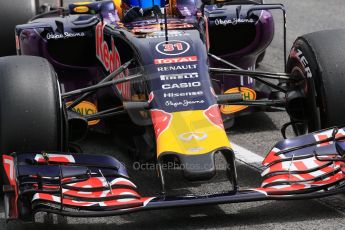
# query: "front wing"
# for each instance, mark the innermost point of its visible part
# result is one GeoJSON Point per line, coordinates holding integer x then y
{"type": "Point", "coordinates": [82, 185]}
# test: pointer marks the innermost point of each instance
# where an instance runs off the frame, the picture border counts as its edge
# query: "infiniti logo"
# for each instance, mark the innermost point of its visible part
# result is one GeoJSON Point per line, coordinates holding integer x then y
{"type": "Point", "coordinates": [199, 136]}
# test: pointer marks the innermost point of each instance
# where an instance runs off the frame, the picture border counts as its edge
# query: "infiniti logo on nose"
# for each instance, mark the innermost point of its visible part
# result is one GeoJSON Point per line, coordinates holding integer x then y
{"type": "Point", "coordinates": [199, 136]}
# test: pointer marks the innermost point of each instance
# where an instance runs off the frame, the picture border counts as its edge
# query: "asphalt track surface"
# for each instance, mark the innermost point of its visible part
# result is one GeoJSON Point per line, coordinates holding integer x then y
{"type": "Point", "coordinates": [257, 133]}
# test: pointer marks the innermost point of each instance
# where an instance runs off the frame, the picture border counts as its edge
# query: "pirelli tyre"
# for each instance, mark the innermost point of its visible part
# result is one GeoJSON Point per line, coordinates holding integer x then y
{"type": "Point", "coordinates": [13, 13]}
{"type": "Point", "coordinates": [318, 58]}
{"type": "Point", "coordinates": [31, 115]}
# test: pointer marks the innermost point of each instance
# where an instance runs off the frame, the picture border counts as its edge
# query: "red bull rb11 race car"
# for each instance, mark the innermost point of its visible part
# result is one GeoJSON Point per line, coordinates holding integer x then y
{"type": "Point", "coordinates": [166, 79]}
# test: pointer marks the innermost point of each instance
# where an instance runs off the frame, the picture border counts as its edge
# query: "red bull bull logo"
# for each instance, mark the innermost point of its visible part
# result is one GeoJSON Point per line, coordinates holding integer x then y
{"type": "Point", "coordinates": [213, 115]}
{"type": "Point", "coordinates": [161, 121]}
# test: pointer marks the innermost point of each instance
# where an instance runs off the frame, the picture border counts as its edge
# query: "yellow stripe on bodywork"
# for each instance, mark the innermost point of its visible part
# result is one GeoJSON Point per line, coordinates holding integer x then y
{"type": "Point", "coordinates": [186, 135]}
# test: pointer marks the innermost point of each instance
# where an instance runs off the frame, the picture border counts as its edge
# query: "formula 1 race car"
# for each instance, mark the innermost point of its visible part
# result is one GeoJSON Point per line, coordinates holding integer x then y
{"type": "Point", "coordinates": [164, 78]}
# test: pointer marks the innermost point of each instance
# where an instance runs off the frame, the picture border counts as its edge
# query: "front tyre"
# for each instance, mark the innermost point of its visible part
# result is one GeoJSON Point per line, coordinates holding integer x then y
{"type": "Point", "coordinates": [319, 60]}
{"type": "Point", "coordinates": [31, 115]}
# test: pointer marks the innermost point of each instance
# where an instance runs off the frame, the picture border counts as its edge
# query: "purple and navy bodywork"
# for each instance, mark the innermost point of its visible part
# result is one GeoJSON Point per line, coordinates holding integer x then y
{"type": "Point", "coordinates": [69, 44]}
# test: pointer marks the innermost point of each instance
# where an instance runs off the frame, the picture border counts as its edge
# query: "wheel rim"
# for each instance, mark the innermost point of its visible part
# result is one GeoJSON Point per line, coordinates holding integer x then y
{"type": "Point", "coordinates": [300, 127]}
